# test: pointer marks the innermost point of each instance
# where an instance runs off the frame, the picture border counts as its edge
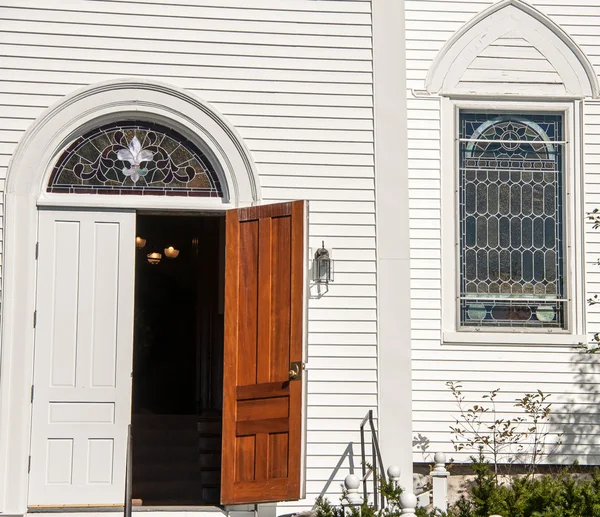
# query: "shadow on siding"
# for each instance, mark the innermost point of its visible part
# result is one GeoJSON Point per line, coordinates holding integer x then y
{"type": "Point", "coordinates": [348, 453]}
{"type": "Point", "coordinates": [577, 414]}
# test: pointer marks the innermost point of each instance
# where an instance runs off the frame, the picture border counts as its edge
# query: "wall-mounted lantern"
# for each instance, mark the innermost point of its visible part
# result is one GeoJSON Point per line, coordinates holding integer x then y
{"type": "Point", "coordinates": [322, 266]}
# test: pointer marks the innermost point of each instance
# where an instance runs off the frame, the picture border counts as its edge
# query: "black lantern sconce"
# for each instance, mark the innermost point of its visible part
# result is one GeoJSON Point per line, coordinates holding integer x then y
{"type": "Point", "coordinates": [322, 266]}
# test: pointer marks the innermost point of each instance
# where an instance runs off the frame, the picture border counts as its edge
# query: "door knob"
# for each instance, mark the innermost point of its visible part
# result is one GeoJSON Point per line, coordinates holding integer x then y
{"type": "Point", "coordinates": [296, 369]}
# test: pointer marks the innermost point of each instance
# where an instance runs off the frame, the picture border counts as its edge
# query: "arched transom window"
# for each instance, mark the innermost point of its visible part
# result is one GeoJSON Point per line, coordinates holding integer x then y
{"type": "Point", "coordinates": [135, 157]}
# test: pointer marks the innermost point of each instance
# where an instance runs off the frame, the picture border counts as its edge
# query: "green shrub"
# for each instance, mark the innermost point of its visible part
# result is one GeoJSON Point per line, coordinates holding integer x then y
{"type": "Point", "coordinates": [525, 438]}
{"type": "Point", "coordinates": [565, 494]}
{"type": "Point", "coordinates": [389, 489]}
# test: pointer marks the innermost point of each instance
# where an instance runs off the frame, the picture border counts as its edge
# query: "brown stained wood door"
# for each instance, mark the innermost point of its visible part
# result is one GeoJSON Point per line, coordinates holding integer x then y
{"type": "Point", "coordinates": [262, 407]}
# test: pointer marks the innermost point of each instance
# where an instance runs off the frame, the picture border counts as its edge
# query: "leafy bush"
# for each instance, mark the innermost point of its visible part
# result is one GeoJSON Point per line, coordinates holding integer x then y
{"type": "Point", "coordinates": [481, 427]}
{"type": "Point", "coordinates": [524, 438]}
{"type": "Point", "coordinates": [565, 494]}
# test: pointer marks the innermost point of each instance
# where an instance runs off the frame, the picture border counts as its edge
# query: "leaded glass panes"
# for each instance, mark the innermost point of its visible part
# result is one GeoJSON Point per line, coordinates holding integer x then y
{"type": "Point", "coordinates": [511, 222]}
{"type": "Point", "coordinates": [135, 158]}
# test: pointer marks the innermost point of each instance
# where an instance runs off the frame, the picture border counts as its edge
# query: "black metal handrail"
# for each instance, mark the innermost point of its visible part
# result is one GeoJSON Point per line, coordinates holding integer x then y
{"type": "Point", "coordinates": [377, 462]}
{"type": "Point", "coordinates": [128, 476]}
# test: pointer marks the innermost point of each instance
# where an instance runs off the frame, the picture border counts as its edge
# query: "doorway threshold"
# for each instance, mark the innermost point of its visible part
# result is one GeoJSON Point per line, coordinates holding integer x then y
{"type": "Point", "coordinates": [74, 511]}
{"type": "Point", "coordinates": [178, 509]}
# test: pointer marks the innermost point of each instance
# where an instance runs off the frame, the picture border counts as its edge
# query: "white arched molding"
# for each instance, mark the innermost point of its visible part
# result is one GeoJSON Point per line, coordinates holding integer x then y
{"type": "Point", "coordinates": [564, 70]}
{"type": "Point", "coordinates": [112, 101]}
{"type": "Point", "coordinates": [28, 174]}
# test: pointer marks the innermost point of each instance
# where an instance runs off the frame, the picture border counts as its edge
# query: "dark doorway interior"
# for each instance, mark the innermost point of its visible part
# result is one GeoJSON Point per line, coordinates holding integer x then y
{"type": "Point", "coordinates": [178, 361]}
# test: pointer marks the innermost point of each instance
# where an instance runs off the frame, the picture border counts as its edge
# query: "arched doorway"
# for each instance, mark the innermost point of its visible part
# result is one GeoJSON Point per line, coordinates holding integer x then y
{"type": "Point", "coordinates": [106, 357]}
{"type": "Point", "coordinates": [70, 261]}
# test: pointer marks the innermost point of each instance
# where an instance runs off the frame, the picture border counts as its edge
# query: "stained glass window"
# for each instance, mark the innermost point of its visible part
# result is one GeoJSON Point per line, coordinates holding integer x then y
{"type": "Point", "coordinates": [135, 158]}
{"type": "Point", "coordinates": [511, 220]}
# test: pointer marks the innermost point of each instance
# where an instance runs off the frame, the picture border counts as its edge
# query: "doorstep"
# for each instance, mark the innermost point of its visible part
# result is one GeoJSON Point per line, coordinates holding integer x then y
{"type": "Point", "coordinates": [148, 511]}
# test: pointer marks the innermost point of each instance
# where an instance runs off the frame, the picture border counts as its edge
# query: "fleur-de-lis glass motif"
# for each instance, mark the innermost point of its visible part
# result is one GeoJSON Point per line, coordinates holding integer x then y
{"type": "Point", "coordinates": [135, 155]}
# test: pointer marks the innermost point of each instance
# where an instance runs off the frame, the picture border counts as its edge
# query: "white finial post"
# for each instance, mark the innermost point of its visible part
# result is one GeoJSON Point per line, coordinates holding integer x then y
{"type": "Point", "coordinates": [439, 477]}
{"type": "Point", "coordinates": [393, 473]}
{"type": "Point", "coordinates": [352, 483]}
{"type": "Point", "coordinates": [408, 503]}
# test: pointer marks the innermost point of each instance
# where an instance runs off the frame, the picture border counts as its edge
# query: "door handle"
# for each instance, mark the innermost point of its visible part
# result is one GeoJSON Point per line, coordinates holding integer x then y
{"type": "Point", "coordinates": [296, 369]}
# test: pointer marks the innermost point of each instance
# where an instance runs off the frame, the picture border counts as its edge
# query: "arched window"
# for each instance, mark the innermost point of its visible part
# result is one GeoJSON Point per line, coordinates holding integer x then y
{"type": "Point", "coordinates": [133, 157]}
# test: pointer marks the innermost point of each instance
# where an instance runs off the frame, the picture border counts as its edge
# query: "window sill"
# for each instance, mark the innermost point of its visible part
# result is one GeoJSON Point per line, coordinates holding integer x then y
{"type": "Point", "coordinates": [513, 338]}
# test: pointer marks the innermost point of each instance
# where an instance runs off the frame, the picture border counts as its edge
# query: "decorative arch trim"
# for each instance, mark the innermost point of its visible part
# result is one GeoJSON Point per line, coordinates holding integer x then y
{"type": "Point", "coordinates": [509, 16]}
{"type": "Point", "coordinates": [112, 101]}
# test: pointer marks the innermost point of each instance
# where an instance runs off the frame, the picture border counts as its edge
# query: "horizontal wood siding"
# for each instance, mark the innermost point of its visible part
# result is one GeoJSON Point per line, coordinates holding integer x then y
{"type": "Point", "coordinates": [511, 62]}
{"type": "Point", "coordinates": [295, 79]}
{"type": "Point", "coordinates": [571, 378]}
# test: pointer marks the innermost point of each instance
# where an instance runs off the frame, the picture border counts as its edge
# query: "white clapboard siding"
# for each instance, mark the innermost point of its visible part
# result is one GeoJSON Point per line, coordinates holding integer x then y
{"type": "Point", "coordinates": [295, 79]}
{"type": "Point", "coordinates": [142, 46]}
{"type": "Point", "coordinates": [511, 63]}
{"type": "Point", "coordinates": [327, 5]}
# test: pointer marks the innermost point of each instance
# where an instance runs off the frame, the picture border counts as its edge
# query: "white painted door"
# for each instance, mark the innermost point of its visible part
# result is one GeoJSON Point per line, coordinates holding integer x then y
{"type": "Point", "coordinates": [83, 357]}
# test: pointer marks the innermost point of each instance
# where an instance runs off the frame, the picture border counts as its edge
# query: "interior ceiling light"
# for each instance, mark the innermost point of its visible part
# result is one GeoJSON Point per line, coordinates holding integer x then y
{"type": "Point", "coordinates": [154, 257]}
{"type": "Point", "coordinates": [139, 242]}
{"type": "Point", "coordinates": [171, 252]}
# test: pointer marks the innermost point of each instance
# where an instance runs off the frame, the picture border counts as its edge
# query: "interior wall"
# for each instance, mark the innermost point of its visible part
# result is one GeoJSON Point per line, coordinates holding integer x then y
{"type": "Point", "coordinates": [178, 334]}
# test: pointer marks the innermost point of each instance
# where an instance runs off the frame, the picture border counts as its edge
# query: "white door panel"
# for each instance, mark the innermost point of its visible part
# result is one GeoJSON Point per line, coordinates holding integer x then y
{"type": "Point", "coordinates": [83, 357]}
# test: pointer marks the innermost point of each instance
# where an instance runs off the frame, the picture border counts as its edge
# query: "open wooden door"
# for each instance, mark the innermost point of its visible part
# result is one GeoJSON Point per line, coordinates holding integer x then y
{"type": "Point", "coordinates": [83, 357]}
{"type": "Point", "coordinates": [262, 385]}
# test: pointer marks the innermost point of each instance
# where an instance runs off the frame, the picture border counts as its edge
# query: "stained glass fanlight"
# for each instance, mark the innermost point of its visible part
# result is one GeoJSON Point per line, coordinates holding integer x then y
{"type": "Point", "coordinates": [135, 157]}
{"type": "Point", "coordinates": [511, 220]}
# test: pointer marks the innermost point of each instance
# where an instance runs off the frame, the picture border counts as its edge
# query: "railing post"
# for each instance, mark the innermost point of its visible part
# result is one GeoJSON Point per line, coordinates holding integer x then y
{"type": "Point", "coordinates": [393, 473]}
{"type": "Point", "coordinates": [352, 483]}
{"type": "Point", "coordinates": [363, 456]}
{"type": "Point", "coordinates": [439, 478]}
{"type": "Point", "coordinates": [408, 502]}
{"type": "Point", "coordinates": [375, 469]}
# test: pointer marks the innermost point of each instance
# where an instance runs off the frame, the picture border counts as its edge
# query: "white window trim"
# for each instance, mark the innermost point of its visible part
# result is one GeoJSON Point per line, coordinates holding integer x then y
{"type": "Point", "coordinates": [574, 332]}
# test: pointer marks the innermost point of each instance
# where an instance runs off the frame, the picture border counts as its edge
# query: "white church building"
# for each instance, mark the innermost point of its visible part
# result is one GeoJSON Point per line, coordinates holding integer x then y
{"type": "Point", "coordinates": [231, 229]}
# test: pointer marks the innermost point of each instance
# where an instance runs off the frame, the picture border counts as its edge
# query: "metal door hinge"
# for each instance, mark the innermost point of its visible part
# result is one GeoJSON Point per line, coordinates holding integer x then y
{"type": "Point", "coordinates": [34, 318]}
{"type": "Point", "coordinates": [32, 393]}
{"type": "Point", "coordinates": [37, 250]}
{"type": "Point", "coordinates": [29, 465]}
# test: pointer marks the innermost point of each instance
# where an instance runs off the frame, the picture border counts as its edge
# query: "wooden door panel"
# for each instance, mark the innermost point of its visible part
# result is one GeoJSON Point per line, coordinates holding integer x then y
{"type": "Point", "coordinates": [262, 409]}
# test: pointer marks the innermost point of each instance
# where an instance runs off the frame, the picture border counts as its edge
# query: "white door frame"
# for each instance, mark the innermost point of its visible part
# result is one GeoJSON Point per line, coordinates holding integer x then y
{"type": "Point", "coordinates": [28, 173]}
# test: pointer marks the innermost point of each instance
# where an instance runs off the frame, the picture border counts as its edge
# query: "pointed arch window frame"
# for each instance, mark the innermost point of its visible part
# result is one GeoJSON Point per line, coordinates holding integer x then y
{"type": "Point", "coordinates": [571, 63]}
